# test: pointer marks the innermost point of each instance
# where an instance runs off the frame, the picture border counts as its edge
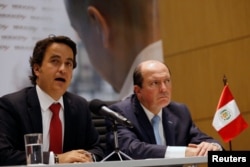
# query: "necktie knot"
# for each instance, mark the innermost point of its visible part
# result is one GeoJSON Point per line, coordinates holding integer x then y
{"type": "Point", "coordinates": [155, 120]}
{"type": "Point", "coordinates": [55, 108]}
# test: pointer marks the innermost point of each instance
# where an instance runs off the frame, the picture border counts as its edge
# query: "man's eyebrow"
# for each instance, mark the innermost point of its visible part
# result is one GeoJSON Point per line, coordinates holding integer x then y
{"type": "Point", "coordinates": [55, 56]}
{"type": "Point", "coordinates": [70, 59]}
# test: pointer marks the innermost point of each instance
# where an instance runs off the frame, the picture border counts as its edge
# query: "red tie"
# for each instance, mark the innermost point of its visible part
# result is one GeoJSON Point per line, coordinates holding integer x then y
{"type": "Point", "coordinates": [55, 129]}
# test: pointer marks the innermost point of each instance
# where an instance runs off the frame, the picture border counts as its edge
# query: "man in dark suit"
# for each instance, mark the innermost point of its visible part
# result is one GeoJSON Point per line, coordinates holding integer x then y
{"type": "Point", "coordinates": [28, 110]}
{"type": "Point", "coordinates": [177, 134]}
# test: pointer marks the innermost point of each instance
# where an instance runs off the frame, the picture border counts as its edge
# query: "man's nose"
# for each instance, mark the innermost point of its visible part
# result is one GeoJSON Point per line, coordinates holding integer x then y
{"type": "Point", "coordinates": [163, 86]}
{"type": "Point", "coordinates": [62, 68]}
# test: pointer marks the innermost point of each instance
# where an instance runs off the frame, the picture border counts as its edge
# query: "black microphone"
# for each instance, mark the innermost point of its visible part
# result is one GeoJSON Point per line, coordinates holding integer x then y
{"type": "Point", "coordinates": [100, 108]}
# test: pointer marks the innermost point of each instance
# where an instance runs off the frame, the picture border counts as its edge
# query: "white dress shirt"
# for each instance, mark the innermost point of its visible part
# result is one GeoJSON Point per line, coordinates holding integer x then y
{"type": "Point", "coordinates": [45, 102]}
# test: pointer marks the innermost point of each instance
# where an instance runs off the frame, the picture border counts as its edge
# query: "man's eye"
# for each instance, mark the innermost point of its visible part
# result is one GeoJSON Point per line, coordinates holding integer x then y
{"type": "Point", "coordinates": [69, 64]}
{"type": "Point", "coordinates": [168, 81]}
{"type": "Point", "coordinates": [155, 83]}
{"type": "Point", "coordinates": [54, 61]}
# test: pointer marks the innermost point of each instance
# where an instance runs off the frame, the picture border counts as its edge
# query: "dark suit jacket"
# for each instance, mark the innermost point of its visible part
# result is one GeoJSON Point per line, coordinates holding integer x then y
{"type": "Point", "coordinates": [139, 142]}
{"type": "Point", "coordinates": [20, 114]}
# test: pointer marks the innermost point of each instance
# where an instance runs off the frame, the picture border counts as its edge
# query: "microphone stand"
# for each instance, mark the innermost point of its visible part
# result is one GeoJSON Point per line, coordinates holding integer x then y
{"type": "Point", "coordinates": [117, 149]}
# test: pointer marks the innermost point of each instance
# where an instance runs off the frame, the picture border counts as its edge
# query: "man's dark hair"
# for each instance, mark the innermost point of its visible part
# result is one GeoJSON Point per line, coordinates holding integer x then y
{"type": "Point", "coordinates": [137, 76]}
{"type": "Point", "coordinates": [40, 50]}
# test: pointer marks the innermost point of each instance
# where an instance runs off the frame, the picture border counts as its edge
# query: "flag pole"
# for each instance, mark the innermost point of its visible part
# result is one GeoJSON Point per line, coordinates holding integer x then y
{"type": "Point", "coordinates": [225, 80]}
{"type": "Point", "coordinates": [225, 83]}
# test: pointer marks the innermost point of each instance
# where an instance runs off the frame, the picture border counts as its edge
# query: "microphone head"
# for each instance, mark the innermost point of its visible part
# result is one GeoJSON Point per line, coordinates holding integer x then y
{"type": "Point", "coordinates": [96, 105]}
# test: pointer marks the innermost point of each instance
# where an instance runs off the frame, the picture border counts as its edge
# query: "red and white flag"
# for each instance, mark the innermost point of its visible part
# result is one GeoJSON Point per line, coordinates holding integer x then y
{"type": "Point", "coordinates": [228, 121]}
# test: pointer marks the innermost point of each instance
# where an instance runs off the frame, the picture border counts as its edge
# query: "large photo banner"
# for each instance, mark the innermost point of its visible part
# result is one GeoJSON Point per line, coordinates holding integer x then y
{"type": "Point", "coordinates": [113, 36]}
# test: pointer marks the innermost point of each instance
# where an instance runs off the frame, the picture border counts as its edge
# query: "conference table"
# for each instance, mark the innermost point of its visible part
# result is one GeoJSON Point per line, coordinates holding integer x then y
{"type": "Point", "coordinates": [187, 161]}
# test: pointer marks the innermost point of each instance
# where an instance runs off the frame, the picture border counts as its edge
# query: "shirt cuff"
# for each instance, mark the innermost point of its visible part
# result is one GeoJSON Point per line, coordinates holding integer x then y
{"type": "Point", "coordinates": [175, 152]}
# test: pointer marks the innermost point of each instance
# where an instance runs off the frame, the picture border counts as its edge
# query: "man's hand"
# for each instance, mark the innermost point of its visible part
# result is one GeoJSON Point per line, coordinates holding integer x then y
{"type": "Point", "coordinates": [75, 156]}
{"type": "Point", "coordinates": [201, 149]}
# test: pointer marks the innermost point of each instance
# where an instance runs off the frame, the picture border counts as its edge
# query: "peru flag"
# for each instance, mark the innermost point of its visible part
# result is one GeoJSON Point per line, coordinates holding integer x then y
{"type": "Point", "coordinates": [228, 121]}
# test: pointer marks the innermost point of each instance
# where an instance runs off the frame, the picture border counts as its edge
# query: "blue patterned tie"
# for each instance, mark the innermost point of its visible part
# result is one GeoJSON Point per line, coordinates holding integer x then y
{"type": "Point", "coordinates": [156, 122]}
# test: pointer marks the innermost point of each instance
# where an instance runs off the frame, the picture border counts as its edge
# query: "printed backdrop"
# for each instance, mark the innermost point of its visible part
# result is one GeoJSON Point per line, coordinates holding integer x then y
{"type": "Point", "coordinates": [22, 24]}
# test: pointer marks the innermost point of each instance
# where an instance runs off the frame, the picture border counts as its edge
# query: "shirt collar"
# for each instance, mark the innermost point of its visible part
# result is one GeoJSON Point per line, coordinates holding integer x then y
{"type": "Point", "coordinates": [45, 100]}
{"type": "Point", "coordinates": [149, 114]}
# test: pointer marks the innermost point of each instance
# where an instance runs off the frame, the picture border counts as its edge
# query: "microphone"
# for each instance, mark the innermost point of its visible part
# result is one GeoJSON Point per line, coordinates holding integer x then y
{"type": "Point", "coordinates": [100, 108]}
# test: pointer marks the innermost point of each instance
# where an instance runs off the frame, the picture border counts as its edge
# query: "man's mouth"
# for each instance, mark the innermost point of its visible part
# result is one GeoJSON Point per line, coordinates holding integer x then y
{"type": "Point", "coordinates": [60, 79]}
{"type": "Point", "coordinates": [163, 97]}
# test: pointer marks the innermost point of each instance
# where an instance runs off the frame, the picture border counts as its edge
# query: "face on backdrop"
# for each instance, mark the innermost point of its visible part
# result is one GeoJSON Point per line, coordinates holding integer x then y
{"type": "Point", "coordinates": [114, 32]}
{"type": "Point", "coordinates": [155, 92]}
{"type": "Point", "coordinates": [55, 73]}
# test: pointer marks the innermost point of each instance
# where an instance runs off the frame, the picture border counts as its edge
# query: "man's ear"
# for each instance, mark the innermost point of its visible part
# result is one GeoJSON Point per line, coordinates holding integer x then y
{"type": "Point", "coordinates": [137, 89]}
{"type": "Point", "coordinates": [97, 20]}
{"type": "Point", "coordinates": [36, 69]}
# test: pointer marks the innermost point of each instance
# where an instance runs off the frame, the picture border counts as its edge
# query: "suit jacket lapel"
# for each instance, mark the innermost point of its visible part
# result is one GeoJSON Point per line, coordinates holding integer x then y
{"type": "Point", "coordinates": [142, 118]}
{"type": "Point", "coordinates": [34, 111]}
{"type": "Point", "coordinates": [168, 126]}
{"type": "Point", "coordinates": [69, 132]}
